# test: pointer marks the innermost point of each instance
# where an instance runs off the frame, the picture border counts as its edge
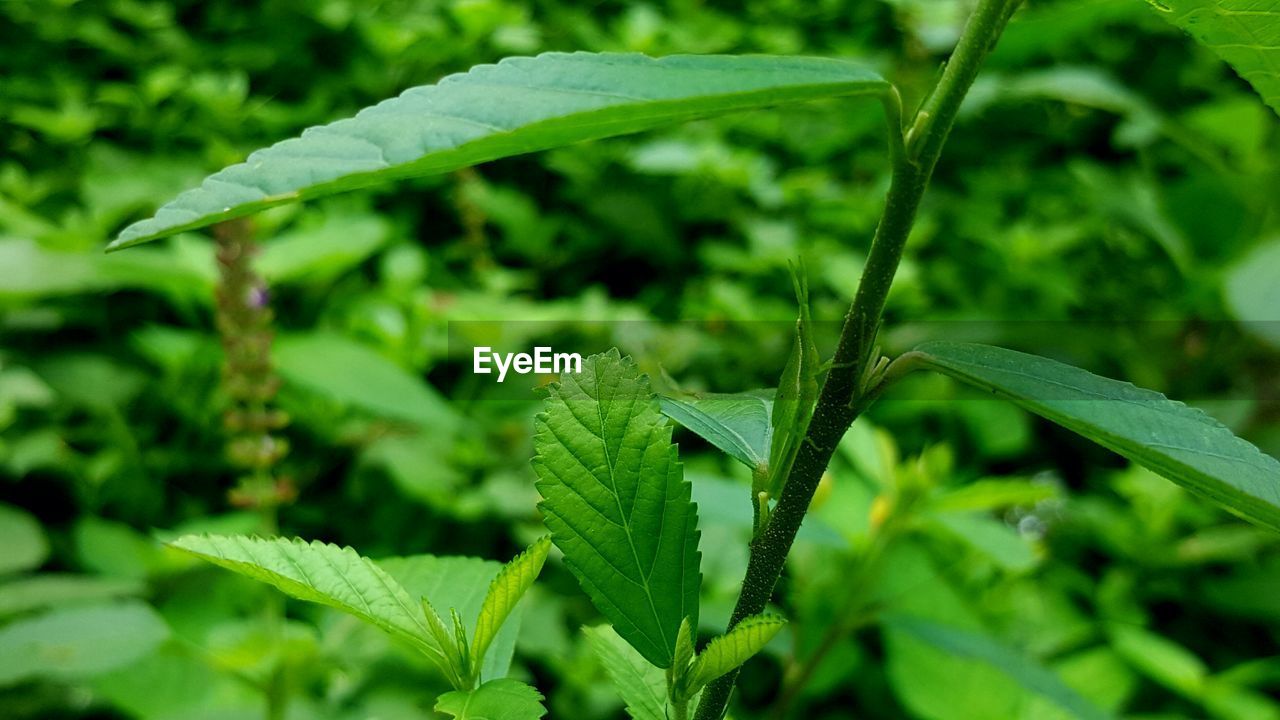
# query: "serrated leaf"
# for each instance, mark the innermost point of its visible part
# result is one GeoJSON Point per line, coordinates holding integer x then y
{"type": "Point", "coordinates": [517, 106]}
{"type": "Point", "coordinates": [640, 685]}
{"type": "Point", "coordinates": [1028, 673]}
{"type": "Point", "coordinates": [76, 643]}
{"type": "Point", "coordinates": [505, 592]}
{"type": "Point", "coordinates": [617, 504]}
{"type": "Point", "coordinates": [732, 649]}
{"type": "Point", "coordinates": [736, 423]}
{"type": "Point", "coordinates": [1244, 33]}
{"type": "Point", "coordinates": [1180, 443]}
{"type": "Point", "coordinates": [501, 699]}
{"type": "Point", "coordinates": [322, 573]}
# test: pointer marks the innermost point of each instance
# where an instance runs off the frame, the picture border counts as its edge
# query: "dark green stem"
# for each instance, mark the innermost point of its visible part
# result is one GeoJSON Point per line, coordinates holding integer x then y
{"type": "Point", "coordinates": [843, 392]}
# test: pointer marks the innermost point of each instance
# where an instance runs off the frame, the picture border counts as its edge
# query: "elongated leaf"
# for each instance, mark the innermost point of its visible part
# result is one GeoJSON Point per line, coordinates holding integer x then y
{"type": "Point", "coordinates": [797, 393]}
{"type": "Point", "coordinates": [732, 649]}
{"type": "Point", "coordinates": [77, 643]}
{"type": "Point", "coordinates": [1178, 442]}
{"type": "Point", "coordinates": [617, 504]}
{"type": "Point", "coordinates": [737, 423]}
{"type": "Point", "coordinates": [1026, 672]}
{"type": "Point", "coordinates": [504, 592]}
{"type": "Point", "coordinates": [502, 699]}
{"type": "Point", "coordinates": [1245, 33]}
{"type": "Point", "coordinates": [640, 685]}
{"type": "Point", "coordinates": [518, 106]}
{"type": "Point", "coordinates": [50, 590]}
{"type": "Point", "coordinates": [321, 573]}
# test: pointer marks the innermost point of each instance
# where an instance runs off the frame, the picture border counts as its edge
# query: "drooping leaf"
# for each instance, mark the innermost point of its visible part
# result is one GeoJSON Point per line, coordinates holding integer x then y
{"type": "Point", "coordinates": [737, 423]}
{"type": "Point", "coordinates": [1244, 33]}
{"type": "Point", "coordinates": [501, 699]}
{"type": "Point", "coordinates": [520, 105]}
{"type": "Point", "coordinates": [640, 685]}
{"type": "Point", "coordinates": [1028, 673]}
{"type": "Point", "coordinates": [617, 504]}
{"type": "Point", "coordinates": [505, 592]}
{"type": "Point", "coordinates": [732, 649]}
{"type": "Point", "coordinates": [23, 541]}
{"type": "Point", "coordinates": [325, 574]}
{"type": "Point", "coordinates": [1167, 437]}
{"type": "Point", "coordinates": [75, 643]}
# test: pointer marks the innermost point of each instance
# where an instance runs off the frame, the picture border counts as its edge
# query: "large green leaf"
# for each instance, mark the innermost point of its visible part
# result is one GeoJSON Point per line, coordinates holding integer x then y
{"type": "Point", "coordinates": [640, 685]}
{"type": "Point", "coordinates": [325, 574]}
{"type": "Point", "coordinates": [617, 504]}
{"type": "Point", "coordinates": [519, 105]}
{"type": "Point", "coordinates": [1245, 33]}
{"type": "Point", "coordinates": [980, 648]}
{"type": "Point", "coordinates": [1178, 442]}
{"type": "Point", "coordinates": [736, 423]}
{"type": "Point", "coordinates": [502, 699]}
{"type": "Point", "coordinates": [79, 642]}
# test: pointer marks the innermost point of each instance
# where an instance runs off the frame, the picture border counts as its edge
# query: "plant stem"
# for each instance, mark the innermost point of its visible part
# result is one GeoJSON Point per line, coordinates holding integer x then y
{"type": "Point", "coordinates": [841, 397]}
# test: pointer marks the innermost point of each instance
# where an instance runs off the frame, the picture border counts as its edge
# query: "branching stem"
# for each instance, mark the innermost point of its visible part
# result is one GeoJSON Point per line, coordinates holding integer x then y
{"type": "Point", "coordinates": [841, 398]}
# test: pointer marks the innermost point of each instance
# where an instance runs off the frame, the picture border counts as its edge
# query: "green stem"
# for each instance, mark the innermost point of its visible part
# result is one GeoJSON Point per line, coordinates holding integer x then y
{"type": "Point", "coordinates": [841, 398]}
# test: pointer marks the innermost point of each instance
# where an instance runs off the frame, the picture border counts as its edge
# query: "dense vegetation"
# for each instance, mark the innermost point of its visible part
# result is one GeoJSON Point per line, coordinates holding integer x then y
{"type": "Point", "coordinates": [1106, 198]}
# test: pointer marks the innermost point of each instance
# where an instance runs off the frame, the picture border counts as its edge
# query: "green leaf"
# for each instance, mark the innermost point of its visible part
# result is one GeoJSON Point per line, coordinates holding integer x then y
{"type": "Point", "coordinates": [1167, 437]}
{"type": "Point", "coordinates": [736, 423]}
{"type": "Point", "coordinates": [518, 106]}
{"type": "Point", "coordinates": [23, 541]}
{"type": "Point", "coordinates": [354, 374]}
{"type": "Point", "coordinates": [640, 685]}
{"type": "Point", "coordinates": [505, 592]}
{"type": "Point", "coordinates": [458, 583]}
{"type": "Point", "coordinates": [50, 590]}
{"type": "Point", "coordinates": [1028, 673]}
{"type": "Point", "coordinates": [77, 643]}
{"type": "Point", "coordinates": [1244, 33]}
{"type": "Point", "coordinates": [797, 394]}
{"type": "Point", "coordinates": [502, 699]}
{"type": "Point", "coordinates": [617, 504]}
{"type": "Point", "coordinates": [1252, 293]}
{"type": "Point", "coordinates": [322, 573]}
{"type": "Point", "coordinates": [1160, 659]}
{"type": "Point", "coordinates": [732, 649]}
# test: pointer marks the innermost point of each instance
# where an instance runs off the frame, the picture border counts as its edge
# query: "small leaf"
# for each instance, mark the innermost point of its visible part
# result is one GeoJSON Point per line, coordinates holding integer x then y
{"type": "Point", "coordinates": [23, 541]}
{"type": "Point", "coordinates": [77, 643]}
{"type": "Point", "coordinates": [1245, 33]}
{"type": "Point", "coordinates": [640, 685]}
{"type": "Point", "coordinates": [501, 699]}
{"type": "Point", "coordinates": [325, 574]}
{"type": "Point", "coordinates": [1167, 437]}
{"type": "Point", "coordinates": [732, 649]}
{"type": "Point", "coordinates": [797, 394]}
{"type": "Point", "coordinates": [1028, 673]}
{"type": "Point", "coordinates": [505, 592]}
{"type": "Point", "coordinates": [520, 105]}
{"type": "Point", "coordinates": [685, 650]}
{"type": "Point", "coordinates": [617, 504]}
{"type": "Point", "coordinates": [736, 423]}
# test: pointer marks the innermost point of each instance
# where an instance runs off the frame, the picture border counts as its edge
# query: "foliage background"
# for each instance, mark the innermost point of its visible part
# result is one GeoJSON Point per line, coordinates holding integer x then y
{"type": "Point", "coordinates": [1108, 198]}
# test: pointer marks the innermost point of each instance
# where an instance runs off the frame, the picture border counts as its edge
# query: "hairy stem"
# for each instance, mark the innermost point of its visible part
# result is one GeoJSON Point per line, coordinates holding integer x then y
{"type": "Point", "coordinates": [841, 398]}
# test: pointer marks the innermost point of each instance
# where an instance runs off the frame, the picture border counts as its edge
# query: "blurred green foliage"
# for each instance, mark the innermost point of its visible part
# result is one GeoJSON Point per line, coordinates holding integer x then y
{"type": "Point", "coordinates": [1108, 198]}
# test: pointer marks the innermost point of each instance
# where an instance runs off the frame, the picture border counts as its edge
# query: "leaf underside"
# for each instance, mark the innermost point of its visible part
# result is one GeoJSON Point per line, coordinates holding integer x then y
{"type": "Point", "coordinates": [517, 106]}
{"type": "Point", "coordinates": [640, 685]}
{"type": "Point", "coordinates": [737, 423]}
{"type": "Point", "coordinates": [1244, 33]}
{"type": "Point", "coordinates": [1181, 443]}
{"type": "Point", "coordinates": [617, 504]}
{"type": "Point", "coordinates": [321, 573]}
